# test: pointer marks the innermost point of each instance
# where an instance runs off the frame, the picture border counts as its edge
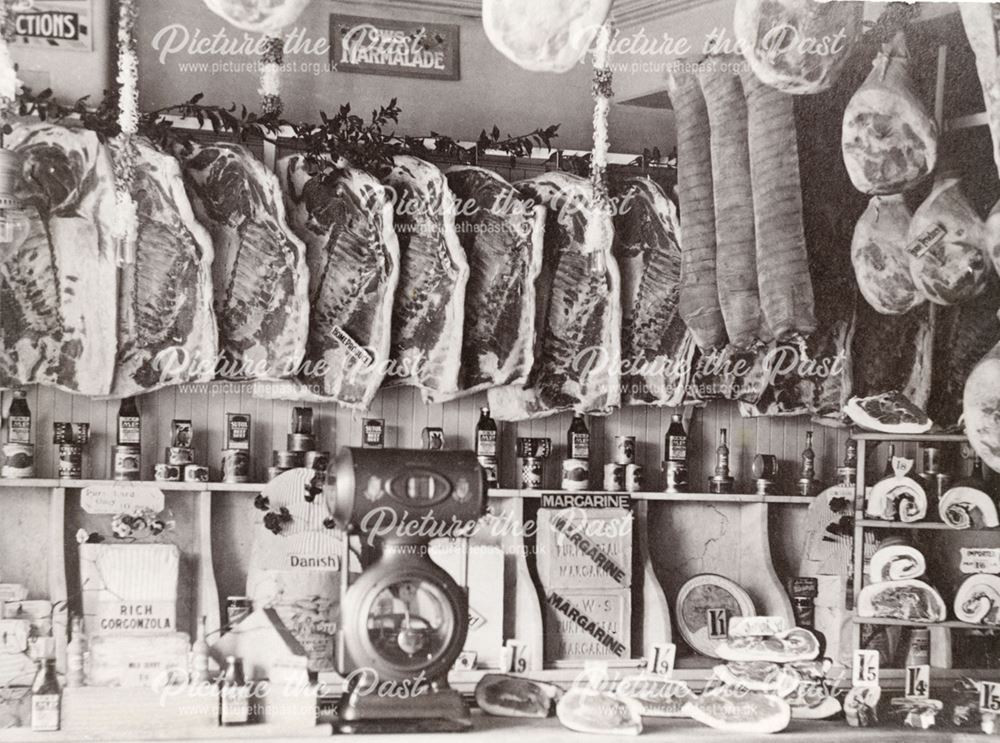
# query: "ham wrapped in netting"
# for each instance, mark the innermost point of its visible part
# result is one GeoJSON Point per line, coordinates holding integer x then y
{"type": "Point", "coordinates": [881, 263]}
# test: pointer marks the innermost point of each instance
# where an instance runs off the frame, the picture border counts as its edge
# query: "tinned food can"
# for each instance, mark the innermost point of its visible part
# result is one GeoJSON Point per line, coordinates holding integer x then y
{"type": "Point", "coordinates": [491, 470]}
{"type": "Point", "coordinates": [318, 460]}
{"type": "Point", "coordinates": [273, 472]}
{"type": "Point", "coordinates": [676, 476]}
{"type": "Point", "coordinates": [167, 473]}
{"type": "Point", "coordinates": [614, 477]}
{"type": "Point", "coordinates": [300, 442]}
{"type": "Point", "coordinates": [235, 465]}
{"type": "Point", "coordinates": [70, 461]}
{"type": "Point", "coordinates": [288, 459]}
{"type": "Point", "coordinates": [127, 461]}
{"type": "Point", "coordinates": [195, 473]}
{"type": "Point", "coordinates": [575, 474]}
{"type": "Point", "coordinates": [633, 478]}
{"type": "Point", "coordinates": [624, 449]}
{"type": "Point", "coordinates": [918, 651]}
{"type": "Point", "coordinates": [531, 473]}
{"type": "Point", "coordinates": [179, 455]}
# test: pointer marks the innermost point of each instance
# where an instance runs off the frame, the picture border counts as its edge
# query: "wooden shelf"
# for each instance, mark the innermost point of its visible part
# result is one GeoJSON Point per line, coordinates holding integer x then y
{"type": "Point", "coordinates": [950, 624]}
{"type": "Point", "coordinates": [929, 438]}
{"type": "Point", "coordinates": [185, 487]}
{"type": "Point", "coordinates": [924, 525]}
{"type": "Point", "coordinates": [778, 500]}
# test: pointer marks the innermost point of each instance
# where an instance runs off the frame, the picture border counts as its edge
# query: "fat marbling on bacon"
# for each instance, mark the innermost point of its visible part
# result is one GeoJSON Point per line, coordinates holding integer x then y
{"type": "Point", "coordinates": [260, 274]}
{"type": "Point", "coordinates": [502, 235]}
{"type": "Point", "coordinates": [167, 332]}
{"type": "Point", "coordinates": [427, 316]}
{"type": "Point", "coordinates": [58, 292]}
{"type": "Point", "coordinates": [657, 349]}
{"type": "Point", "coordinates": [578, 331]}
{"type": "Point", "coordinates": [345, 221]}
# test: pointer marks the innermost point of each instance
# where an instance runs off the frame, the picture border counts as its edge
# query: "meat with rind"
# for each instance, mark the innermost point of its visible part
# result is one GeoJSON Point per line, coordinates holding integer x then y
{"type": "Point", "coordinates": [881, 263]}
{"type": "Point", "coordinates": [58, 293]}
{"type": "Point", "coordinates": [981, 408]}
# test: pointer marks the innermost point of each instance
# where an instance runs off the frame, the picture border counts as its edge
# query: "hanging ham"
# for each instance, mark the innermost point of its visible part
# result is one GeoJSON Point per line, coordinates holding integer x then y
{"type": "Point", "coordinates": [947, 245]}
{"type": "Point", "coordinates": [58, 293]}
{"type": "Point", "coordinates": [981, 408]}
{"type": "Point", "coordinates": [260, 273]}
{"type": "Point", "coordinates": [549, 36]}
{"type": "Point", "coordinates": [258, 16]}
{"type": "Point", "coordinates": [797, 46]}
{"type": "Point", "coordinates": [699, 292]}
{"type": "Point", "coordinates": [881, 263]}
{"type": "Point", "coordinates": [578, 336]}
{"type": "Point", "coordinates": [888, 139]}
{"type": "Point", "coordinates": [657, 349]}
{"type": "Point", "coordinates": [167, 331]}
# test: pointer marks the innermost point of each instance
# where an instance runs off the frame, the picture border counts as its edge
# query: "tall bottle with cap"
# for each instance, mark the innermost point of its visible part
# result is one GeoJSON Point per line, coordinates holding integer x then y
{"type": "Point", "coordinates": [199, 655]}
{"type": "Point", "coordinates": [76, 653]}
{"type": "Point", "coordinates": [486, 446]}
{"type": "Point", "coordinates": [578, 439]}
{"type": "Point", "coordinates": [234, 694]}
{"type": "Point", "coordinates": [675, 447]}
{"type": "Point", "coordinates": [19, 419]}
{"type": "Point", "coordinates": [46, 697]}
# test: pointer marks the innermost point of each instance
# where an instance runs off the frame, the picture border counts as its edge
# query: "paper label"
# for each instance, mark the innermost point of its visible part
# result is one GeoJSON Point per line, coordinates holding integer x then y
{"type": "Point", "coordinates": [866, 668]}
{"type": "Point", "coordinates": [466, 661]}
{"type": "Point", "coordinates": [45, 713]}
{"type": "Point", "coordinates": [918, 682]}
{"type": "Point", "coordinates": [121, 498]}
{"type": "Point", "coordinates": [138, 661]}
{"type": "Point", "coordinates": [717, 623]}
{"type": "Point", "coordinates": [515, 655]}
{"type": "Point", "coordinates": [989, 696]}
{"type": "Point", "coordinates": [662, 662]}
{"type": "Point", "coordinates": [354, 349]}
{"type": "Point", "coordinates": [928, 239]}
{"type": "Point", "coordinates": [132, 617]}
{"type": "Point", "coordinates": [980, 560]}
{"type": "Point", "coordinates": [756, 626]}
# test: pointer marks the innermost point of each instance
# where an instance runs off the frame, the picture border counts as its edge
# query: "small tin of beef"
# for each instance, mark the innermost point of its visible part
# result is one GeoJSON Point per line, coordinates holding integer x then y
{"type": "Point", "coordinates": [318, 460]}
{"type": "Point", "coordinates": [624, 449]}
{"type": "Point", "coordinates": [167, 472]}
{"type": "Point", "coordinates": [676, 477]}
{"type": "Point", "coordinates": [633, 478]}
{"type": "Point", "coordinates": [127, 458]}
{"type": "Point", "coordinates": [373, 433]}
{"type": "Point", "coordinates": [235, 465]}
{"type": "Point", "coordinates": [288, 459]}
{"type": "Point", "coordinates": [302, 421]}
{"type": "Point", "coordinates": [575, 474]}
{"type": "Point", "coordinates": [614, 477]}
{"type": "Point", "coordinates": [238, 431]}
{"type": "Point", "coordinates": [533, 447]}
{"type": "Point", "coordinates": [179, 455]}
{"type": "Point", "coordinates": [432, 438]}
{"type": "Point", "coordinates": [70, 461]}
{"type": "Point", "coordinates": [491, 470]}
{"type": "Point", "coordinates": [195, 473]}
{"type": "Point", "coordinates": [70, 433]}
{"type": "Point", "coordinates": [531, 473]}
{"type": "Point", "coordinates": [300, 442]}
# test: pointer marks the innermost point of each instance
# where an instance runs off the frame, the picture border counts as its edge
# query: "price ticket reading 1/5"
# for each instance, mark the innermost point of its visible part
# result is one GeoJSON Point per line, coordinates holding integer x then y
{"type": "Point", "coordinates": [866, 668]}
{"type": "Point", "coordinates": [989, 696]}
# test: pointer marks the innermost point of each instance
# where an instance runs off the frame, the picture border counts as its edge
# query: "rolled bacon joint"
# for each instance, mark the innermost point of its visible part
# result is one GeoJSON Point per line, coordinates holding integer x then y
{"type": "Point", "coordinates": [699, 293]}
{"type": "Point", "coordinates": [889, 141]}
{"type": "Point", "coordinates": [797, 46]}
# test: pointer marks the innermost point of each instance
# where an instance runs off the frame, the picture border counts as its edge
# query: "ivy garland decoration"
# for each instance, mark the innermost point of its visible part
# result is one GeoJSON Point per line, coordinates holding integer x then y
{"type": "Point", "coordinates": [126, 224]}
{"type": "Point", "coordinates": [270, 76]}
{"type": "Point", "coordinates": [10, 86]}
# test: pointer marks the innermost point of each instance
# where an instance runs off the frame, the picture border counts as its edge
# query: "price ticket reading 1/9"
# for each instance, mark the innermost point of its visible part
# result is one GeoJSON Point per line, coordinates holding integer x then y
{"type": "Point", "coordinates": [662, 662]}
{"type": "Point", "coordinates": [866, 668]}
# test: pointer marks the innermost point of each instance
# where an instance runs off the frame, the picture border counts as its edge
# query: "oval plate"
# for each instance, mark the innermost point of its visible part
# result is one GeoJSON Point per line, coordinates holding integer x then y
{"type": "Point", "coordinates": [700, 594]}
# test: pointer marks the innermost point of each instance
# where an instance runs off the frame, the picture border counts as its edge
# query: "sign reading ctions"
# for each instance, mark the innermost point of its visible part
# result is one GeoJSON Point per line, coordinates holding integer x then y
{"type": "Point", "coordinates": [380, 46]}
{"type": "Point", "coordinates": [55, 24]}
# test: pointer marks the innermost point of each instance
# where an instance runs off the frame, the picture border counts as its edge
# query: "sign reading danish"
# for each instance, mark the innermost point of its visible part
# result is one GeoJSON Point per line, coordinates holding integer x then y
{"type": "Point", "coordinates": [55, 24]}
{"type": "Point", "coordinates": [380, 46]}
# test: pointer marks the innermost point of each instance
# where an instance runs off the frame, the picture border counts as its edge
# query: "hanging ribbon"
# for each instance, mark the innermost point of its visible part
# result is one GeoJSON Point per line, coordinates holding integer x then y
{"type": "Point", "coordinates": [126, 225]}
{"type": "Point", "coordinates": [602, 92]}
{"type": "Point", "coordinates": [270, 76]}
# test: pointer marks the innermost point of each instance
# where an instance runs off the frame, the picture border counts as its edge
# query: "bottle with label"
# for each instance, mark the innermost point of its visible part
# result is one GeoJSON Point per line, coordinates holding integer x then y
{"type": "Point", "coordinates": [128, 423]}
{"type": "Point", "coordinates": [721, 481]}
{"type": "Point", "coordinates": [675, 446]}
{"type": "Point", "coordinates": [19, 419]}
{"type": "Point", "coordinates": [199, 655]}
{"type": "Point", "coordinates": [807, 473]}
{"type": "Point", "coordinates": [234, 694]}
{"type": "Point", "coordinates": [849, 472]}
{"type": "Point", "coordinates": [486, 434]}
{"type": "Point", "coordinates": [578, 439]}
{"type": "Point", "coordinates": [76, 652]}
{"type": "Point", "coordinates": [46, 699]}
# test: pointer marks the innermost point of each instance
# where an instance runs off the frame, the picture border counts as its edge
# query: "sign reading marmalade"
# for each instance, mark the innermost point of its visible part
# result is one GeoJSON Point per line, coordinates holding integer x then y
{"type": "Point", "coordinates": [380, 46]}
{"type": "Point", "coordinates": [54, 24]}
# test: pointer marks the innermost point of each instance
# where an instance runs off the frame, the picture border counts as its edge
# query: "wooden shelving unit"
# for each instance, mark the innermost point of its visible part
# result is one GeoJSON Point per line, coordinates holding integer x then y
{"type": "Point", "coordinates": [182, 487]}
{"type": "Point", "coordinates": [917, 526]}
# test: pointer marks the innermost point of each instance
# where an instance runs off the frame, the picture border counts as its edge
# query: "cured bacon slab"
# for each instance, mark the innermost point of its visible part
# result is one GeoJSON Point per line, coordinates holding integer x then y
{"type": "Point", "coordinates": [260, 274]}
{"type": "Point", "coordinates": [502, 235]}
{"type": "Point", "coordinates": [167, 332]}
{"type": "Point", "coordinates": [259, 16]}
{"type": "Point", "coordinates": [58, 293]}
{"type": "Point", "coordinates": [657, 349]}
{"type": "Point", "coordinates": [353, 258]}
{"type": "Point", "coordinates": [428, 313]}
{"type": "Point", "coordinates": [578, 337]}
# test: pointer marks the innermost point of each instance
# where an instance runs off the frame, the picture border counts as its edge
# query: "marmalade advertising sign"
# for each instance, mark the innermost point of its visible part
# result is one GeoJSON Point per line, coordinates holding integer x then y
{"type": "Point", "coordinates": [54, 24]}
{"type": "Point", "coordinates": [380, 46]}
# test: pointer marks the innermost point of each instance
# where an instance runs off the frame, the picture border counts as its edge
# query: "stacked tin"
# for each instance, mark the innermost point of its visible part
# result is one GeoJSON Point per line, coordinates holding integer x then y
{"type": "Point", "coordinates": [300, 448]}
{"type": "Point", "coordinates": [178, 459]}
{"type": "Point", "coordinates": [623, 473]}
{"type": "Point", "coordinates": [532, 453]}
{"type": "Point", "coordinates": [70, 438]}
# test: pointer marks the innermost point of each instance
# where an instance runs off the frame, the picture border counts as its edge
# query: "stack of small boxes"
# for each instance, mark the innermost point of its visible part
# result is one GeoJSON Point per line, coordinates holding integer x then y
{"type": "Point", "coordinates": [301, 447]}
{"type": "Point", "coordinates": [179, 464]}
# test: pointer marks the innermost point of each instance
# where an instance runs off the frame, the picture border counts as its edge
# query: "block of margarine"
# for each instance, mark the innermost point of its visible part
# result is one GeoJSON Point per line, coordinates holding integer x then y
{"type": "Point", "coordinates": [129, 588]}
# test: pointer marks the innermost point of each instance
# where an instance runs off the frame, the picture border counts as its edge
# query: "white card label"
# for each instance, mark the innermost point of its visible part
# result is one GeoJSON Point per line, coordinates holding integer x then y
{"type": "Point", "coordinates": [110, 500]}
{"type": "Point", "coordinates": [517, 653]}
{"type": "Point", "coordinates": [989, 696]}
{"type": "Point", "coordinates": [977, 560]}
{"type": "Point", "coordinates": [662, 662]}
{"type": "Point", "coordinates": [918, 682]}
{"type": "Point", "coordinates": [866, 667]}
{"type": "Point", "coordinates": [756, 626]}
{"type": "Point", "coordinates": [718, 624]}
{"type": "Point", "coordinates": [466, 661]}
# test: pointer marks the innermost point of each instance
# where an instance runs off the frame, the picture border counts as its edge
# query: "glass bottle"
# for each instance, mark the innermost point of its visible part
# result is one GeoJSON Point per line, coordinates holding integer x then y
{"type": "Point", "coordinates": [199, 655]}
{"type": "Point", "coordinates": [486, 434]}
{"type": "Point", "coordinates": [234, 694]}
{"type": "Point", "coordinates": [129, 426]}
{"type": "Point", "coordinates": [677, 440]}
{"type": "Point", "coordinates": [807, 472]}
{"type": "Point", "coordinates": [76, 651]}
{"type": "Point", "coordinates": [46, 699]}
{"type": "Point", "coordinates": [19, 419]}
{"type": "Point", "coordinates": [721, 481]}
{"type": "Point", "coordinates": [578, 439]}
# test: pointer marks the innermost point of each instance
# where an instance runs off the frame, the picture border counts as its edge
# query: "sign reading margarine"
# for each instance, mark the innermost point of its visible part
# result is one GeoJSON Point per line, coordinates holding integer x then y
{"type": "Point", "coordinates": [380, 46]}
{"type": "Point", "coordinates": [55, 24]}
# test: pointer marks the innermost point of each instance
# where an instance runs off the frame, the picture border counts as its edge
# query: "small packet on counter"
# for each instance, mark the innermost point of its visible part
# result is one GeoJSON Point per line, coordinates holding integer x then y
{"type": "Point", "coordinates": [917, 713]}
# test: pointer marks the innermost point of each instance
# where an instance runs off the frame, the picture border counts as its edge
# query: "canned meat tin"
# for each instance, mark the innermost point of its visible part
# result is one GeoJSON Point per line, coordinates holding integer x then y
{"type": "Point", "coordinates": [318, 460]}
{"type": "Point", "coordinates": [288, 459]}
{"type": "Point", "coordinates": [614, 477]}
{"type": "Point", "coordinates": [195, 473]}
{"type": "Point", "coordinates": [575, 474]}
{"type": "Point", "coordinates": [127, 461]}
{"type": "Point", "coordinates": [531, 473]}
{"type": "Point", "coordinates": [235, 465]}
{"type": "Point", "coordinates": [624, 449]}
{"type": "Point", "coordinates": [180, 455]}
{"type": "Point", "coordinates": [70, 461]}
{"type": "Point", "coordinates": [167, 473]}
{"type": "Point", "coordinates": [633, 478]}
{"type": "Point", "coordinates": [300, 442]}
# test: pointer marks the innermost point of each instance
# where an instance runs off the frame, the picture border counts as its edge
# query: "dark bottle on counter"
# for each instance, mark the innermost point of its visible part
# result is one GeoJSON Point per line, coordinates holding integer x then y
{"type": "Point", "coordinates": [486, 434]}
{"type": "Point", "coordinates": [129, 426]}
{"type": "Point", "coordinates": [46, 699]}
{"type": "Point", "coordinates": [578, 439]}
{"type": "Point", "coordinates": [807, 473]}
{"type": "Point", "coordinates": [19, 419]}
{"type": "Point", "coordinates": [234, 694]}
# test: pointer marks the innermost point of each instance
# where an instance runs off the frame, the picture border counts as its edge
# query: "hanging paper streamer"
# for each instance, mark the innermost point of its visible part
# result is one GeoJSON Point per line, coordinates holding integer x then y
{"type": "Point", "coordinates": [258, 16]}
{"type": "Point", "coordinates": [126, 224]}
{"type": "Point", "coordinates": [270, 76]}
{"type": "Point", "coordinates": [602, 92]}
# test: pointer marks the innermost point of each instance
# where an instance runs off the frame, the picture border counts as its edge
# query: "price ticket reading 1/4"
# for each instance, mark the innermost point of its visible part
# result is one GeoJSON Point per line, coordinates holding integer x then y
{"type": "Point", "coordinates": [866, 668]}
{"type": "Point", "coordinates": [918, 682]}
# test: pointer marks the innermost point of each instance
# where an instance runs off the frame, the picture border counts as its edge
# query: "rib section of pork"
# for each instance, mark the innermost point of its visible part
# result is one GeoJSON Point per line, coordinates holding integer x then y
{"type": "Point", "coordinates": [578, 338]}
{"type": "Point", "coordinates": [58, 293]}
{"type": "Point", "coordinates": [345, 220]}
{"type": "Point", "coordinates": [657, 349]}
{"type": "Point", "coordinates": [260, 274]}
{"type": "Point", "coordinates": [427, 315]}
{"type": "Point", "coordinates": [166, 326]}
{"type": "Point", "coordinates": [502, 236]}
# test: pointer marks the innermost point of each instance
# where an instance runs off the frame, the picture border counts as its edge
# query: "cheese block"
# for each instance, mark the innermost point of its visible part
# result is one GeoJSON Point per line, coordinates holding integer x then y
{"type": "Point", "coordinates": [129, 588]}
{"type": "Point", "coordinates": [740, 711]}
{"type": "Point", "coordinates": [591, 711]}
{"type": "Point", "coordinates": [896, 562]}
{"type": "Point", "coordinates": [503, 695]}
{"type": "Point", "coordinates": [656, 696]}
{"type": "Point", "coordinates": [910, 600]}
{"type": "Point", "coordinates": [978, 600]}
{"type": "Point", "coordinates": [794, 645]}
{"type": "Point", "coordinates": [705, 604]}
